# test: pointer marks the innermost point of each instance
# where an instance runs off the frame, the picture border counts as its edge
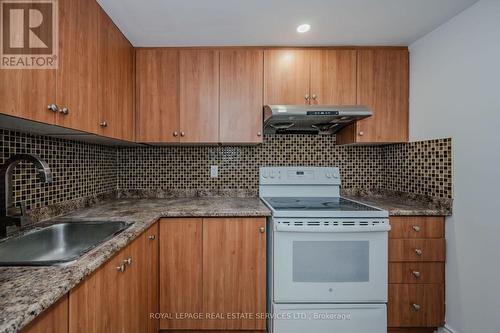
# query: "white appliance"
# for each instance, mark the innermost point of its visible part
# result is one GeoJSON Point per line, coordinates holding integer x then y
{"type": "Point", "coordinates": [327, 255]}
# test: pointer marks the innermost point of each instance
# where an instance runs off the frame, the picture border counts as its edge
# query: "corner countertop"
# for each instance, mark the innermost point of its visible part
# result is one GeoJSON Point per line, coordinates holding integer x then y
{"type": "Point", "coordinates": [27, 291]}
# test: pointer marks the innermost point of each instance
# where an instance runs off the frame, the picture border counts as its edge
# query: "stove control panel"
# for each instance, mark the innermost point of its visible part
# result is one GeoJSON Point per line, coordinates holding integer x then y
{"type": "Point", "coordinates": [299, 176]}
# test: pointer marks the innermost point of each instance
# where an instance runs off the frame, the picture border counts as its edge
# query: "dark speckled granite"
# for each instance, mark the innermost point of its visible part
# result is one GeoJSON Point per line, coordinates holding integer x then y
{"type": "Point", "coordinates": [26, 291]}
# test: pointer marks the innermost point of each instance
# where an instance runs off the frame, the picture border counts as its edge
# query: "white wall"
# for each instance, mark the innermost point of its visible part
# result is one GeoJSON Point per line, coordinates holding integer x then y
{"type": "Point", "coordinates": [455, 92]}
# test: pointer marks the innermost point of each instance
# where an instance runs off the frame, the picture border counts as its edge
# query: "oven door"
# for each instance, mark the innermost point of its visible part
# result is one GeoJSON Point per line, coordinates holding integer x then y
{"type": "Point", "coordinates": [342, 264]}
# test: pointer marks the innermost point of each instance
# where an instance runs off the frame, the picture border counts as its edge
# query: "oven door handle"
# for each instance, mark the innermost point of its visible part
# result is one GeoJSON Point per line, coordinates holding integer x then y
{"type": "Point", "coordinates": [326, 229]}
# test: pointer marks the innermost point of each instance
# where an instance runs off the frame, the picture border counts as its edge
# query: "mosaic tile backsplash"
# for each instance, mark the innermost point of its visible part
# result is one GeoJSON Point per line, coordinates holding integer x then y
{"type": "Point", "coordinates": [83, 170]}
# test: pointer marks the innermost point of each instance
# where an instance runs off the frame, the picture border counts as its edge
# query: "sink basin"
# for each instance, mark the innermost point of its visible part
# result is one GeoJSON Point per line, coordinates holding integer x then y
{"type": "Point", "coordinates": [59, 243]}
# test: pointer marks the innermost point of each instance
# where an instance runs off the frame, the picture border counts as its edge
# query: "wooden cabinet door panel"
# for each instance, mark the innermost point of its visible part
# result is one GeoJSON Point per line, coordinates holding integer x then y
{"type": "Point", "coordinates": [157, 91]}
{"type": "Point", "coordinates": [382, 85]}
{"type": "Point", "coordinates": [241, 81]}
{"type": "Point", "coordinates": [77, 73]}
{"type": "Point", "coordinates": [180, 271]}
{"type": "Point", "coordinates": [199, 96]}
{"type": "Point", "coordinates": [53, 320]}
{"type": "Point", "coordinates": [416, 250]}
{"type": "Point", "coordinates": [417, 227]}
{"type": "Point", "coordinates": [286, 76]}
{"type": "Point", "coordinates": [415, 305]}
{"type": "Point", "coordinates": [416, 272]}
{"type": "Point", "coordinates": [234, 270]}
{"type": "Point", "coordinates": [115, 81]}
{"type": "Point", "coordinates": [333, 77]}
{"type": "Point", "coordinates": [152, 239]}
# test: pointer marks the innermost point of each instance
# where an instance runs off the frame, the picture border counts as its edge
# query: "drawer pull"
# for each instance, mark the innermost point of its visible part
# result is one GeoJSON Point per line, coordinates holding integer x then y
{"type": "Point", "coordinates": [418, 252]}
{"type": "Point", "coordinates": [152, 237]}
{"type": "Point", "coordinates": [262, 230]}
{"type": "Point", "coordinates": [121, 268]}
{"type": "Point", "coordinates": [128, 261]}
{"type": "Point", "coordinates": [416, 307]}
{"type": "Point", "coordinates": [416, 274]}
{"type": "Point", "coordinates": [416, 228]}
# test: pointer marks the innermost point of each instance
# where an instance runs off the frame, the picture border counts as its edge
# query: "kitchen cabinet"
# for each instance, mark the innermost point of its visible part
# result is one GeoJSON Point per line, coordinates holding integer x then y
{"type": "Point", "coordinates": [53, 320]}
{"type": "Point", "coordinates": [416, 273]}
{"type": "Point", "coordinates": [157, 91]}
{"type": "Point", "coordinates": [199, 96]}
{"type": "Point", "coordinates": [241, 84]}
{"type": "Point", "coordinates": [383, 86]}
{"type": "Point", "coordinates": [115, 81]}
{"type": "Point", "coordinates": [118, 296]}
{"type": "Point", "coordinates": [213, 266]}
{"type": "Point", "coordinates": [310, 76]}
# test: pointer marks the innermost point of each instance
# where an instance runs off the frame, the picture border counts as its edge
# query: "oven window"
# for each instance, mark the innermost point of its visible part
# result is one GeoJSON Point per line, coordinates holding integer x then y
{"type": "Point", "coordinates": [331, 261]}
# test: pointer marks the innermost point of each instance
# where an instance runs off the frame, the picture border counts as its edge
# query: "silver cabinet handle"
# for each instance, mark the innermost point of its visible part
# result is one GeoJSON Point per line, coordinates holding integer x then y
{"type": "Point", "coordinates": [416, 228]}
{"type": "Point", "coordinates": [103, 124]}
{"type": "Point", "coordinates": [128, 261]}
{"type": "Point", "coordinates": [64, 110]}
{"type": "Point", "coordinates": [262, 230]}
{"type": "Point", "coordinates": [361, 133]}
{"type": "Point", "coordinates": [307, 97]}
{"type": "Point", "coordinates": [416, 274]}
{"type": "Point", "coordinates": [416, 307]}
{"type": "Point", "coordinates": [314, 96]}
{"type": "Point", "coordinates": [52, 107]}
{"type": "Point", "coordinates": [259, 134]}
{"type": "Point", "coordinates": [152, 237]}
{"type": "Point", "coordinates": [175, 134]}
{"type": "Point", "coordinates": [121, 268]}
{"type": "Point", "coordinates": [418, 252]}
{"type": "Point", "coordinates": [183, 134]}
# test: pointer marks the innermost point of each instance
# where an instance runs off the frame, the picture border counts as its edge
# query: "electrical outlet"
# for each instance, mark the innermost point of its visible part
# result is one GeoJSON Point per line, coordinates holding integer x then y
{"type": "Point", "coordinates": [214, 171]}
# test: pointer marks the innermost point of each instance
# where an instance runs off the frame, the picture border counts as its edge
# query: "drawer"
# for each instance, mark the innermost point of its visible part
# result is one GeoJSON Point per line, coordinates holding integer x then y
{"type": "Point", "coordinates": [416, 272]}
{"type": "Point", "coordinates": [415, 305]}
{"type": "Point", "coordinates": [416, 250]}
{"type": "Point", "coordinates": [417, 227]}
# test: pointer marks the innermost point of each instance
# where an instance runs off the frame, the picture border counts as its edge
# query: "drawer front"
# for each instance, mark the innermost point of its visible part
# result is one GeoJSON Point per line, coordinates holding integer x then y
{"type": "Point", "coordinates": [417, 227]}
{"type": "Point", "coordinates": [415, 305]}
{"type": "Point", "coordinates": [416, 250]}
{"type": "Point", "coordinates": [416, 272]}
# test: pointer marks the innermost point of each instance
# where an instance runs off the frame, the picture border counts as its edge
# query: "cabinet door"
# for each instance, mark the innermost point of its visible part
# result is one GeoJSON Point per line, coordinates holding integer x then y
{"type": "Point", "coordinates": [98, 304]}
{"type": "Point", "coordinates": [241, 81]}
{"type": "Point", "coordinates": [157, 95]}
{"type": "Point", "coordinates": [234, 271]}
{"type": "Point", "coordinates": [115, 81]}
{"type": "Point", "coordinates": [286, 77]}
{"type": "Point", "coordinates": [180, 271]}
{"type": "Point", "coordinates": [333, 77]}
{"type": "Point", "coordinates": [77, 73]}
{"type": "Point", "coordinates": [53, 320]}
{"type": "Point", "coordinates": [199, 96]}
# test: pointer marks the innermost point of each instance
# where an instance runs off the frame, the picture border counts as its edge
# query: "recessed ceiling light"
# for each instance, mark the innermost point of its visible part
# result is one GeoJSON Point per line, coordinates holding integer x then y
{"type": "Point", "coordinates": [303, 28]}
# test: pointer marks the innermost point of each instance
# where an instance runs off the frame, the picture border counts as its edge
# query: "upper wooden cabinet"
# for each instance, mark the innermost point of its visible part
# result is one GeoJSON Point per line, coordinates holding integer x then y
{"type": "Point", "coordinates": [383, 81]}
{"type": "Point", "coordinates": [199, 96]}
{"type": "Point", "coordinates": [115, 81]}
{"type": "Point", "coordinates": [316, 76]}
{"type": "Point", "coordinates": [241, 82]}
{"type": "Point", "coordinates": [157, 95]}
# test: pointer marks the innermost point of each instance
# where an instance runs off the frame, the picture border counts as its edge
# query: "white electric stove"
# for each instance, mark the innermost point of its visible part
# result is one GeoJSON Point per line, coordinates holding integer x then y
{"type": "Point", "coordinates": [327, 254]}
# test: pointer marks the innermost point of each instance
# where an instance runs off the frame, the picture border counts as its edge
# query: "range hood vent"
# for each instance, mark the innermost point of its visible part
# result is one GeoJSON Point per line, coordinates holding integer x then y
{"type": "Point", "coordinates": [311, 119]}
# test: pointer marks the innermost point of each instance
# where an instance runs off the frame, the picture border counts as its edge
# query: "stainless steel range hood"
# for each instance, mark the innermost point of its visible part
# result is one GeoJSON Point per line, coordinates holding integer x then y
{"type": "Point", "coordinates": [312, 119]}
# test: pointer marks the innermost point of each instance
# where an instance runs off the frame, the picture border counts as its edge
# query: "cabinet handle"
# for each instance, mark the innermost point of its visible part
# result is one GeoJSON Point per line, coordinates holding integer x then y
{"type": "Point", "coordinates": [361, 133]}
{"type": "Point", "coordinates": [418, 252]}
{"type": "Point", "coordinates": [121, 268]}
{"type": "Point", "coordinates": [416, 307]}
{"type": "Point", "coordinates": [103, 124]}
{"type": "Point", "coordinates": [262, 230]}
{"type": "Point", "coordinates": [176, 134]}
{"type": "Point", "coordinates": [127, 261]}
{"type": "Point", "coordinates": [416, 274]}
{"type": "Point", "coordinates": [307, 97]}
{"type": "Point", "coordinates": [259, 134]}
{"type": "Point", "coordinates": [152, 237]}
{"type": "Point", "coordinates": [52, 107]}
{"type": "Point", "coordinates": [182, 133]}
{"type": "Point", "coordinates": [64, 111]}
{"type": "Point", "coordinates": [416, 228]}
{"type": "Point", "coordinates": [314, 96]}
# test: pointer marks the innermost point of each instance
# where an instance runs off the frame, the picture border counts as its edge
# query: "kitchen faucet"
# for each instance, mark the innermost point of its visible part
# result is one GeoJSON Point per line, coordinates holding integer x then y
{"type": "Point", "coordinates": [9, 214]}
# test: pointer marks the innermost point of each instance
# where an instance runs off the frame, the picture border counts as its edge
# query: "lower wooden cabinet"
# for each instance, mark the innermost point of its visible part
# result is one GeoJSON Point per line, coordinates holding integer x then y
{"type": "Point", "coordinates": [210, 268]}
{"type": "Point", "coordinates": [119, 296]}
{"type": "Point", "coordinates": [53, 320]}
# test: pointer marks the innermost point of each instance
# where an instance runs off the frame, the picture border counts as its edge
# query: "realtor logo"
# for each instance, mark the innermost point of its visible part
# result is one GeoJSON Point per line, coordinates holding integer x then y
{"type": "Point", "coordinates": [29, 34]}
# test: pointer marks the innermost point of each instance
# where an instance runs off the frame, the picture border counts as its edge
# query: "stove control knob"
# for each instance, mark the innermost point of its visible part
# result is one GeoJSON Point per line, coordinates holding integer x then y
{"type": "Point", "coordinates": [272, 175]}
{"type": "Point", "coordinates": [335, 175]}
{"type": "Point", "coordinates": [328, 175]}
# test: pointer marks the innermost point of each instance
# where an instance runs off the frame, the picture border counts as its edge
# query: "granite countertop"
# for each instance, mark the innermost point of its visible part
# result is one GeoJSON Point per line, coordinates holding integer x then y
{"type": "Point", "coordinates": [26, 291]}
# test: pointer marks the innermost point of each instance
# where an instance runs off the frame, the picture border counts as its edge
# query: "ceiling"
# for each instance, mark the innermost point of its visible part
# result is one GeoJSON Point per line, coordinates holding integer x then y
{"type": "Point", "coordinates": [274, 22]}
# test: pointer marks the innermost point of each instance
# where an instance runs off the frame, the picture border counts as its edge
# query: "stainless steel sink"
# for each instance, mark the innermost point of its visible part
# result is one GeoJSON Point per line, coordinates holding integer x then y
{"type": "Point", "coordinates": [57, 244]}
